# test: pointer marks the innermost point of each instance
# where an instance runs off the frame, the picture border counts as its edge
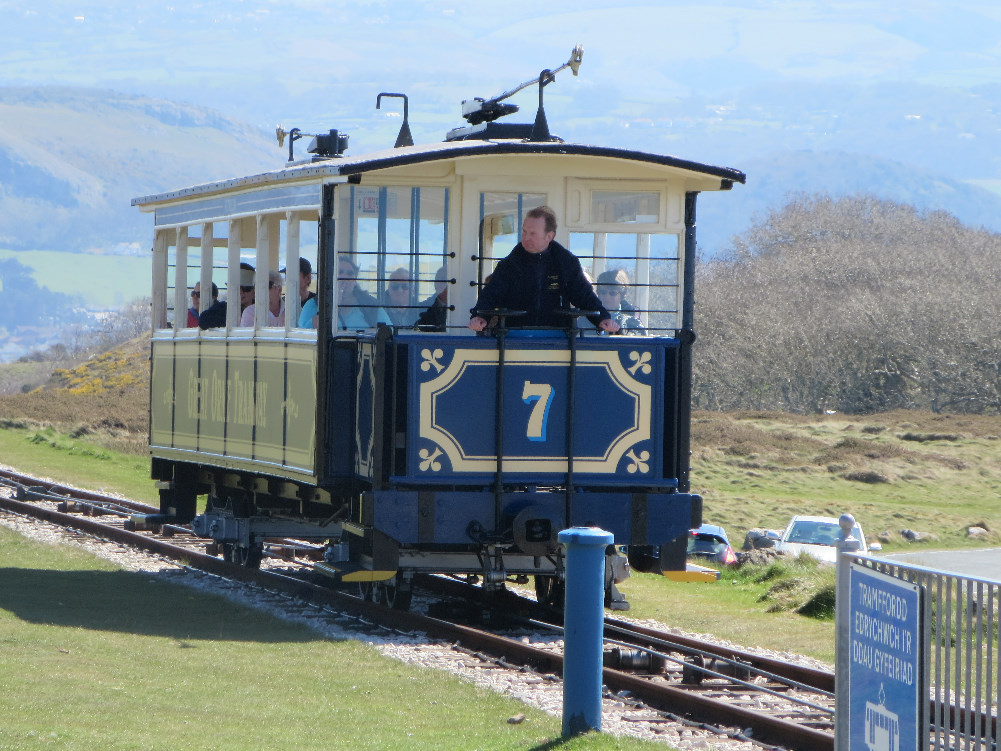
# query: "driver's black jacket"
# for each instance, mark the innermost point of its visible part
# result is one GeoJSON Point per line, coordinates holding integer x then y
{"type": "Point", "coordinates": [539, 283]}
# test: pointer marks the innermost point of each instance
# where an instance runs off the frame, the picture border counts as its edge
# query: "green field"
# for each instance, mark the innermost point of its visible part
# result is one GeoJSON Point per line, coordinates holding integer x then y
{"type": "Point", "coordinates": [935, 474]}
{"type": "Point", "coordinates": [95, 658]}
{"type": "Point", "coordinates": [103, 282]}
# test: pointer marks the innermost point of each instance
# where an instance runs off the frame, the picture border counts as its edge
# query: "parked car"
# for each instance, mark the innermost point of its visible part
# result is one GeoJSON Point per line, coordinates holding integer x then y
{"type": "Point", "coordinates": [709, 542]}
{"type": "Point", "coordinates": [817, 535]}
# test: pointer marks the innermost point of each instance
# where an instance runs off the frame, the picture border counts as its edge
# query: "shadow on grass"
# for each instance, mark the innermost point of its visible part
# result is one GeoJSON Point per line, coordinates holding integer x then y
{"type": "Point", "coordinates": [553, 744]}
{"type": "Point", "coordinates": [136, 604]}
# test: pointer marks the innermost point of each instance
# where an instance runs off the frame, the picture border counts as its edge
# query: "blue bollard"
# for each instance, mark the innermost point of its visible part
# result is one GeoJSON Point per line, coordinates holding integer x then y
{"type": "Point", "coordinates": [583, 623]}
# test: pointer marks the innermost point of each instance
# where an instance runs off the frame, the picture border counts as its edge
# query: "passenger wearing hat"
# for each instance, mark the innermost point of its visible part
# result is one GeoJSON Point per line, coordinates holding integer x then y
{"type": "Point", "coordinates": [215, 316]}
{"type": "Point", "coordinates": [276, 305]}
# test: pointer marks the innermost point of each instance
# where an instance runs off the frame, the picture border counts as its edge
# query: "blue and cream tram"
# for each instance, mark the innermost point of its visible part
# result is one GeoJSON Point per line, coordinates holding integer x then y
{"type": "Point", "coordinates": [426, 448]}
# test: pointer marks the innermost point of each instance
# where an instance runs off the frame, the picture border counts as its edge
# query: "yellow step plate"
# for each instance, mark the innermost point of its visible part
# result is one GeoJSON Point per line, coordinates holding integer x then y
{"type": "Point", "coordinates": [347, 572]}
{"type": "Point", "coordinates": [694, 573]}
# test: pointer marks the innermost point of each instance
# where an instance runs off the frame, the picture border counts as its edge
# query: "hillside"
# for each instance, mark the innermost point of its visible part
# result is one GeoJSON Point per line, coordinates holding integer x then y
{"type": "Point", "coordinates": [935, 474]}
{"type": "Point", "coordinates": [105, 398]}
{"type": "Point", "coordinates": [72, 159]}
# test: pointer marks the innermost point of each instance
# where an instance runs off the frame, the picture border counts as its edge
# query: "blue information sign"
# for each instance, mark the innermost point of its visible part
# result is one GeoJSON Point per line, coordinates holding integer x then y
{"type": "Point", "coordinates": [885, 677]}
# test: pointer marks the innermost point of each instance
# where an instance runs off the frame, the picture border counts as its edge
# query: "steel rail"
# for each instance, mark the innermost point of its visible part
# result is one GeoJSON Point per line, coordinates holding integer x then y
{"type": "Point", "coordinates": [657, 695]}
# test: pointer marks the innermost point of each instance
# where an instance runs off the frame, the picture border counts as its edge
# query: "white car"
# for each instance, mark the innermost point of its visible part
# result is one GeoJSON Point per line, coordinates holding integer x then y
{"type": "Point", "coordinates": [817, 536]}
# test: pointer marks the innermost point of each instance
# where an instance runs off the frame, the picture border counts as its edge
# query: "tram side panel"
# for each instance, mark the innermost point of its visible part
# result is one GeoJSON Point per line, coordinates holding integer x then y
{"type": "Point", "coordinates": [350, 436]}
{"type": "Point", "coordinates": [240, 405]}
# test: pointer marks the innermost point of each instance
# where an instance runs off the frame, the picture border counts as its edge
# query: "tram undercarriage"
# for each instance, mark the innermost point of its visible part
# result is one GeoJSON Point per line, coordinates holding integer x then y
{"type": "Point", "coordinates": [358, 550]}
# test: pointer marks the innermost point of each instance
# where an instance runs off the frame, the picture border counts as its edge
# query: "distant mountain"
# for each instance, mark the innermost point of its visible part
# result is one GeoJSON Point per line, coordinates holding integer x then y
{"type": "Point", "coordinates": [772, 180]}
{"type": "Point", "coordinates": [72, 159]}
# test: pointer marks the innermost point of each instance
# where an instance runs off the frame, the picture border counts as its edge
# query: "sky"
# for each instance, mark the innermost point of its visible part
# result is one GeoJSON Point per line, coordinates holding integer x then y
{"type": "Point", "coordinates": [901, 98]}
{"type": "Point", "coordinates": [310, 62]}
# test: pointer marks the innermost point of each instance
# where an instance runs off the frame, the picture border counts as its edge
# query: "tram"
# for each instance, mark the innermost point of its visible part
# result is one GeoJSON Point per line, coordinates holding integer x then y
{"type": "Point", "coordinates": [381, 425]}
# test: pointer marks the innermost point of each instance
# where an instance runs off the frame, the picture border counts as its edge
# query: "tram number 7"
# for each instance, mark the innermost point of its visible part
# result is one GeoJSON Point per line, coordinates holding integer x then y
{"type": "Point", "coordinates": [542, 395]}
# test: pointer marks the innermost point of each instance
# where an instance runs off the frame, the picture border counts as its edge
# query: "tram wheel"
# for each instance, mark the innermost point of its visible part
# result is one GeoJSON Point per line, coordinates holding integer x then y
{"type": "Point", "coordinates": [396, 593]}
{"type": "Point", "coordinates": [550, 590]}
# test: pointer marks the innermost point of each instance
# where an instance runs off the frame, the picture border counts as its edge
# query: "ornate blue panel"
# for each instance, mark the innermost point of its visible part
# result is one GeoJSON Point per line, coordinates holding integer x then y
{"type": "Point", "coordinates": [617, 415]}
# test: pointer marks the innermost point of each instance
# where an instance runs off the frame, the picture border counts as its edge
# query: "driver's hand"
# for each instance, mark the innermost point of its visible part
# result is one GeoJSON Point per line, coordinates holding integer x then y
{"type": "Point", "coordinates": [606, 324]}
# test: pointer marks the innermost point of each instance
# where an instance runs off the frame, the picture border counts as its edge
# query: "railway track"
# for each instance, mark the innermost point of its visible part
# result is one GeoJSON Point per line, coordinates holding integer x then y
{"type": "Point", "coordinates": [662, 676]}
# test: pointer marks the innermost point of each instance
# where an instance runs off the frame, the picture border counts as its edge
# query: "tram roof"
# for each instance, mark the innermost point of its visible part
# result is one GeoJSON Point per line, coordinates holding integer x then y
{"type": "Point", "coordinates": [346, 166]}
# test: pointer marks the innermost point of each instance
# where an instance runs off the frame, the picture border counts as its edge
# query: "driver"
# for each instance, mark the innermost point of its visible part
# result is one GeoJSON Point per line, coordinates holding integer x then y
{"type": "Point", "coordinates": [540, 276]}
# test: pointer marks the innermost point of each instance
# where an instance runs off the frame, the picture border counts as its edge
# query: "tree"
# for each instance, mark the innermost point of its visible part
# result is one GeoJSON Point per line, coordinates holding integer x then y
{"type": "Point", "coordinates": [856, 305]}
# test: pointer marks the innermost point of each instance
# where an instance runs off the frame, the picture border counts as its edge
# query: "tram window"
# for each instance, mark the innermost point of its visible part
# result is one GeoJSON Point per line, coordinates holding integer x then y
{"type": "Point", "coordinates": [625, 207]}
{"type": "Point", "coordinates": [644, 268]}
{"type": "Point", "coordinates": [308, 249]}
{"type": "Point", "coordinates": [666, 283]}
{"type": "Point", "coordinates": [167, 320]}
{"type": "Point", "coordinates": [396, 238]}
{"type": "Point", "coordinates": [394, 272]}
{"type": "Point", "coordinates": [501, 216]}
{"type": "Point", "coordinates": [216, 262]}
{"type": "Point", "coordinates": [431, 248]}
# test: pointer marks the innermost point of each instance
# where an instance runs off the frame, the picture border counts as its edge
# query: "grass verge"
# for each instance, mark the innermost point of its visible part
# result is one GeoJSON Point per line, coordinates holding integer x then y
{"type": "Point", "coordinates": [931, 473]}
{"type": "Point", "coordinates": [787, 606]}
{"type": "Point", "coordinates": [97, 658]}
{"type": "Point", "coordinates": [45, 452]}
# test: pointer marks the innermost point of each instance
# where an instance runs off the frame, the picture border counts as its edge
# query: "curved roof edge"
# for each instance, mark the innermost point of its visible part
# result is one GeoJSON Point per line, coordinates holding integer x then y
{"type": "Point", "coordinates": [396, 157]}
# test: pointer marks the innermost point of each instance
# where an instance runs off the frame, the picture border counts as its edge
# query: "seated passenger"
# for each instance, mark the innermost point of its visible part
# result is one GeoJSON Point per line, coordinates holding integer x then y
{"type": "Point", "coordinates": [196, 295]}
{"type": "Point", "coordinates": [307, 299]}
{"type": "Point", "coordinates": [613, 286]}
{"type": "Point", "coordinates": [433, 318]}
{"type": "Point", "coordinates": [276, 305]}
{"type": "Point", "coordinates": [215, 316]}
{"type": "Point", "coordinates": [357, 309]}
{"type": "Point", "coordinates": [397, 300]}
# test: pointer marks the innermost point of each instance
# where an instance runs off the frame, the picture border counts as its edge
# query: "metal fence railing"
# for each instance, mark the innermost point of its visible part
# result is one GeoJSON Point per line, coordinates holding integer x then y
{"type": "Point", "coordinates": [957, 657]}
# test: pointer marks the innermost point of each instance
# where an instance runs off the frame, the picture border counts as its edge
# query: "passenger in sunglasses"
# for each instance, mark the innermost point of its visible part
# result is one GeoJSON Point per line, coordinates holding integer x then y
{"type": "Point", "coordinates": [398, 302]}
{"type": "Point", "coordinates": [196, 298]}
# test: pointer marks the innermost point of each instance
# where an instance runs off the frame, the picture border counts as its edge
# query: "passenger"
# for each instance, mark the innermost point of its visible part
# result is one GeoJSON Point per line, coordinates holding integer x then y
{"type": "Point", "coordinates": [276, 305]}
{"type": "Point", "coordinates": [613, 286]}
{"type": "Point", "coordinates": [356, 308]}
{"type": "Point", "coordinates": [397, 300]}
{"type": "Point", "coordinates": [307, 299]}
{"type": "Point", "coordinates": [540, 276]}
{"type": "Point", "coordinates": [196, 295]}
{"type": "Point", "coordinates": [436, 306]}
{"type": "Point", "coordinates": [215, 316]}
